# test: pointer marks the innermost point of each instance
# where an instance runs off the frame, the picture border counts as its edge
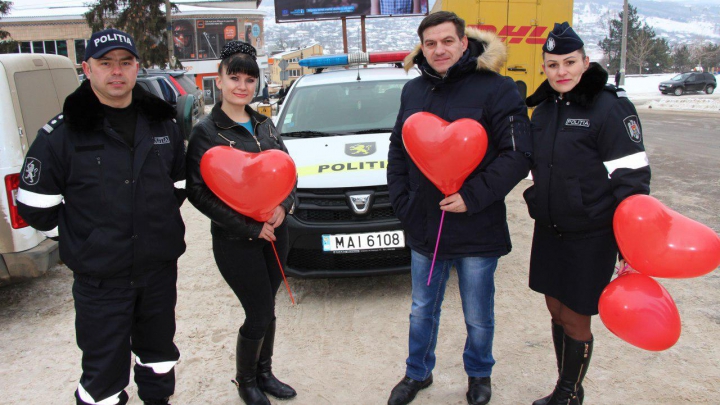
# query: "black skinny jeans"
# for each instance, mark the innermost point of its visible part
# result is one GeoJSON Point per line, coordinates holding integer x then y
{"type": "Point", "coordinates": [251, 270]}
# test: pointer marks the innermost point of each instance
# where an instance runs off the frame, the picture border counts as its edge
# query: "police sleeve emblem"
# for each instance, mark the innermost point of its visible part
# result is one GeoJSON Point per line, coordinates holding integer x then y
{"type": "Point", "coordinates": [632, 126]}
{"type": "Point", "coordinates": [31, 174]}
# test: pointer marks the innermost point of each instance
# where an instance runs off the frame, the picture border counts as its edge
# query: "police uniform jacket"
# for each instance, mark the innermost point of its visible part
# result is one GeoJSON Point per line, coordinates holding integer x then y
{"type": "Point", "coordinates": [472, 89]}
{"type": "Point", "coordinates": [217, 129]}
{"type": "Point", "coordinates": [116, 207]}
{"type": "Point", "coordinates": [588, 154]}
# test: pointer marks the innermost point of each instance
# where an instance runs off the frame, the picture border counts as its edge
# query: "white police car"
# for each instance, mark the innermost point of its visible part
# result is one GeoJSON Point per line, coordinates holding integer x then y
{"type": "Point", "coordinates": [336, 125]}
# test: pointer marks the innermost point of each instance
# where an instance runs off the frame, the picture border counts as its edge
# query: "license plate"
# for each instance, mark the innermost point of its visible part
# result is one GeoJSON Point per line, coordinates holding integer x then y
{"type": "Point", "coordinates": [358, 242]}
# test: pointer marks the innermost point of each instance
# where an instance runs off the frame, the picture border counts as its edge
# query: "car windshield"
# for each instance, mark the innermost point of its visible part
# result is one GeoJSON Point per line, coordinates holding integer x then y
{"type": "Point", "coordinates": [680, 77]}
{"type": "Point", "coordinates": [187, 83]}
{"type": "Point", "coordinates": [343, 108]}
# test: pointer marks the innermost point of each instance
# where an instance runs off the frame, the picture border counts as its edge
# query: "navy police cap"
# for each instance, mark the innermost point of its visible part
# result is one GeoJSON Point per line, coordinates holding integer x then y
{"type": "Point", "coordinates": [562, 40]}
{"type": "Point", "coordinates": [104, 41]}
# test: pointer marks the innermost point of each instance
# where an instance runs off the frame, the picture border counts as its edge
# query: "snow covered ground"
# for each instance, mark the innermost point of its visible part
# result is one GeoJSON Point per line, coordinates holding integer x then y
{"type": "Point", "coordinates": [644, 93]}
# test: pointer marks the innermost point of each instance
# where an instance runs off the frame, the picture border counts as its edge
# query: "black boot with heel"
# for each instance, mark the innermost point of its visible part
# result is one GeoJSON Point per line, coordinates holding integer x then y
{"type": "Point", "coordinates": [246, 360]}
{"type": "Point", "coordinates": [576, 357]}
{"type": "Point", "coordinates": [266, 381]}
{"type": "Point", "coordinates": [558, 334]}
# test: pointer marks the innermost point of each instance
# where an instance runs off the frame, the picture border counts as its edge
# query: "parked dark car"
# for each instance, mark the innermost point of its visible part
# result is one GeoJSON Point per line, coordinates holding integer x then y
{"type": "Point", "coordinates": [184, 104]}
{"type": "Point", "coordinates": [689, 82]}
{"type": "Point", "coordinates": [184, 83]}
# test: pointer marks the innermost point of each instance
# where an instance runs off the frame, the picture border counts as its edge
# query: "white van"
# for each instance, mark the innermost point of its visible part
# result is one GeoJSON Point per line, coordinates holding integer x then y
{"type": "Point", "coordinates": [33, 88]}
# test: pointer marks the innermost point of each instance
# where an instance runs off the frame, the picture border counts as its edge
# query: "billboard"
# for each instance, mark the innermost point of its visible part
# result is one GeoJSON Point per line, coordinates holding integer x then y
{"type": "Point", "coordinates": [303, 10]}
{"type": "Point", "coordinates": [213, 34]}
{"type": "Point", "coordinates": [184, 39]}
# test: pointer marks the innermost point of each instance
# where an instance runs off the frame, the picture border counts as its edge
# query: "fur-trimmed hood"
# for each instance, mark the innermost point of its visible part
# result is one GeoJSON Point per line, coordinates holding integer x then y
{"type": "Point", "coordinates": [485, 47]}
{"type": "Point", "coordinates": [83, 111]}
{"type": "Point", "coordinates": [591, 84]}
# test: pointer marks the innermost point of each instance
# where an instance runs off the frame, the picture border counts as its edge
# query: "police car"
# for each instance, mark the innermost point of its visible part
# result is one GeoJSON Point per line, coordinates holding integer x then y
{"type": "Point", "coordinates": [336, 125]}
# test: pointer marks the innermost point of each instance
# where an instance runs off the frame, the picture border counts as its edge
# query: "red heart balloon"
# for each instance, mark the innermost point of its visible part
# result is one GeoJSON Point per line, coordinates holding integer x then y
{"type": "Point", "coordinates": [638, 310]}
{"type": "Point", "coordinates": [446, 153]}
{"type": "Point", "coordinates": [660, 242]}
{"type": "Point", "coordinates": [253, 184]}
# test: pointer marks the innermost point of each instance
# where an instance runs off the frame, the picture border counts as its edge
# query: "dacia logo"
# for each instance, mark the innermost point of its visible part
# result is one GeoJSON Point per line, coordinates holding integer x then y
{"type": "Point", "coordinates": [360, 203]}
{"type": "Point", "coordinates": [515, 34]}
{"type": "Point", "coordinates": [360, 149]}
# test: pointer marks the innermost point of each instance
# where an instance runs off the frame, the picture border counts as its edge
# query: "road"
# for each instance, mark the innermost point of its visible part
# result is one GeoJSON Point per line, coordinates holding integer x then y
{"type": "Point", "coordinates": [684, 151]}
{"type": "Point", "coordinates": [345, 340]}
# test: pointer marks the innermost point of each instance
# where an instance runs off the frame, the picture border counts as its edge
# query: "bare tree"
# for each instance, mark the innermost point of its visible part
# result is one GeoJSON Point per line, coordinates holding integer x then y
{"type": "Point", "coordinates": [704, 53]}
{"type": "Point", "coordinates": [640, 47]}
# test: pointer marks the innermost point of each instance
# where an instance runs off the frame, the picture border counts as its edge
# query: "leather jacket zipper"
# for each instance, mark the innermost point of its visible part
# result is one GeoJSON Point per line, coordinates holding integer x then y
{"type": "Point", "coordinates": [255, 137]}
{"type": "Point", "coordinates": [232, 143]}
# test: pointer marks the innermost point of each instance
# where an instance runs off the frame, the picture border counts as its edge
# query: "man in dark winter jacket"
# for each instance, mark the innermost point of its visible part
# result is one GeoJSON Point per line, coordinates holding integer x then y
{"type": "Point", "coordinates": [459, 80]}
{"type": "Point", "coordinates": [106, 177]}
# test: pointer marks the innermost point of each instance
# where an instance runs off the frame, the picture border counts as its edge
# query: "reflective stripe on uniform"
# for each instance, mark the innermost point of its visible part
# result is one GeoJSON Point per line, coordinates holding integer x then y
{"type": "Point", "coordinates": [634, 161]}
{"type": "Point", "coordinates": [87, 398]}
{"type": "Point", "coordinates": [180, 184]}
{"type": "Point", "coordinates": [53, 233]}
{"type": "Point", "coordinates": [38, 200]}
{"type": "Point", "coordinates": [160, 367]}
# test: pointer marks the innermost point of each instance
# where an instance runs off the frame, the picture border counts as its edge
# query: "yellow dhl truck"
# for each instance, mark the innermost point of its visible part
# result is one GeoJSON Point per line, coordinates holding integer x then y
{"type": "Point", "coordinates": [522, 24]}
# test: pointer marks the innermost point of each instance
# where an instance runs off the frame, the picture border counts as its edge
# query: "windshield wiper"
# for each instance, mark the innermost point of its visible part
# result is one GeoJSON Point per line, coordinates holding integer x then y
{"type": "Point", "coordinates": [370, 131]}
{"type": "Point", "coordinates": [307, 134]}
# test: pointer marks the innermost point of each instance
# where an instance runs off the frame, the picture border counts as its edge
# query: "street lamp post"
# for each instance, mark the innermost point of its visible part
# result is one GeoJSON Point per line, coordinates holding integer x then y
{"type": "Point", "coordinates": [623, 43]}
{"type": "Point", "coordinates": [168, 14]}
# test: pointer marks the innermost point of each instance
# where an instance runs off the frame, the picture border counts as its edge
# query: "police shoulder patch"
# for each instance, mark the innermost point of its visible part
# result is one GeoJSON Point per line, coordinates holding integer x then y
{"type": "Point", "coordinates": [31, 174]}
{"type": "Point", "coordinates": [53, 123]}
{"type": "Point", "coordinates": [632, 126]}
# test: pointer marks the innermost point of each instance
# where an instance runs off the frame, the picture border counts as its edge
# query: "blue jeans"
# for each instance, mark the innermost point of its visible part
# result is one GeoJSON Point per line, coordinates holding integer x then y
{"type": "Point", "coordinates": [477, 291]}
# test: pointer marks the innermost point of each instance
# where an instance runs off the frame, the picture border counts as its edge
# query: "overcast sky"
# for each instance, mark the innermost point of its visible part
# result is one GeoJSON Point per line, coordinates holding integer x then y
{"type": "Point", "coordinates": [21, 4]}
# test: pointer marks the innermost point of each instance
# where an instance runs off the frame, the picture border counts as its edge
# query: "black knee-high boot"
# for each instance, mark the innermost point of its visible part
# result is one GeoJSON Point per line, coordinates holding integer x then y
{"type": "Point", "coordinates": [246, 360]}
{"type": "Point", "coordinates": [558, 334]}
{"type": "Point", "coordinates": [265, 378]}
{"type": "Point", "coordinates": [575, 362]}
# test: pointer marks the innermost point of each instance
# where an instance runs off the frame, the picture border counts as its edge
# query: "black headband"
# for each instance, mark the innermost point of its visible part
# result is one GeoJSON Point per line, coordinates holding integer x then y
{"type": "Point", "coordinates": [233, 47]}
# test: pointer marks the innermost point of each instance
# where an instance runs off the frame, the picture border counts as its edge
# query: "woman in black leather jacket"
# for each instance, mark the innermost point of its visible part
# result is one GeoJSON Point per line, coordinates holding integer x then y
{"type": "Point", "coordinates": [242, 245]}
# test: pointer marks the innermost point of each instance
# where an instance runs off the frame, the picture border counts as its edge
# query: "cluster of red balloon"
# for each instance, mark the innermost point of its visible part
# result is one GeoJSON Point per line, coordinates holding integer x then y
{"type": "Point", "coordinates": [657, 242]}
{"type": "Point", "coordinates": [446, 153]}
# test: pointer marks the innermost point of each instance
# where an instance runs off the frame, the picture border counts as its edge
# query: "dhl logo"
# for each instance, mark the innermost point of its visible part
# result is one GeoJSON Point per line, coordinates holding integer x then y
{"type": "Point", "coordinates": [531, 34]}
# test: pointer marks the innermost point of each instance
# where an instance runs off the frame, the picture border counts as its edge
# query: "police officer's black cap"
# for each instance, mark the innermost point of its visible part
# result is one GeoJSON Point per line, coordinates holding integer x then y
{"type": "Point", "coordinates": [562, 40]}
{"type": "Point", "coordinates": [104, 41]}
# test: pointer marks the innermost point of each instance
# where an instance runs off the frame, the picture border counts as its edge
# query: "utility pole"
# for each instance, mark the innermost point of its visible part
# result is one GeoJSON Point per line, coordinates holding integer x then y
{"type": "Point", "coordinates": [168, 14]}
{"type": "Point", "coordinates": [623, 43]}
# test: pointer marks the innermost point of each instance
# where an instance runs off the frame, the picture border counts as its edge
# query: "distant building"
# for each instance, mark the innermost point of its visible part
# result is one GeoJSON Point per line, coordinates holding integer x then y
{"type": "Point", "coordinates": [284, 67]}
{"type": "Point", "coordinates": [199, 35]}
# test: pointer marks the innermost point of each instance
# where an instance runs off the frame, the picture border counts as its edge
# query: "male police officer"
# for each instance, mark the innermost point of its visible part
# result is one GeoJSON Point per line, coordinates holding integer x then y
{"type": "Point", "coordinates": [107, 177]}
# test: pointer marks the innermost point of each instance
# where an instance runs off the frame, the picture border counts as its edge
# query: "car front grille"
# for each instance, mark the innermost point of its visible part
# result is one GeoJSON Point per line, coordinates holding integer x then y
{"type": "Point", "coordinates": [333, 205]}
{"type": "Point", "coordinates": [313, 259]}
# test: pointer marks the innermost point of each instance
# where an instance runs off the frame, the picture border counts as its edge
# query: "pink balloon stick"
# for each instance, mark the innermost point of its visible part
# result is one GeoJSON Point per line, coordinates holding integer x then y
{"type": "Point", "coordinates": [442, 218]}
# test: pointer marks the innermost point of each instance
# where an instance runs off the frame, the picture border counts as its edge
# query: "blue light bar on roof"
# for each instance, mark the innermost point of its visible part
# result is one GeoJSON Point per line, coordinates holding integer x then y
{"type": "Point", "coordinates": [323, 61]}
{"type": "Point", "coordinates": [355, 58]}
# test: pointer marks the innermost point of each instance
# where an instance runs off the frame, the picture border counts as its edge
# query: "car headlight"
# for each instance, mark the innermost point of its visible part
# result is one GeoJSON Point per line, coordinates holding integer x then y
{"type": "Point", "coordinates": [669, 85]}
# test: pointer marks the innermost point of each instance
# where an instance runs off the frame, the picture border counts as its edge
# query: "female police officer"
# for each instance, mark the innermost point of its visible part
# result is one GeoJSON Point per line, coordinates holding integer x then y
{"type": "Point", "coordinates": [588, 156]}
